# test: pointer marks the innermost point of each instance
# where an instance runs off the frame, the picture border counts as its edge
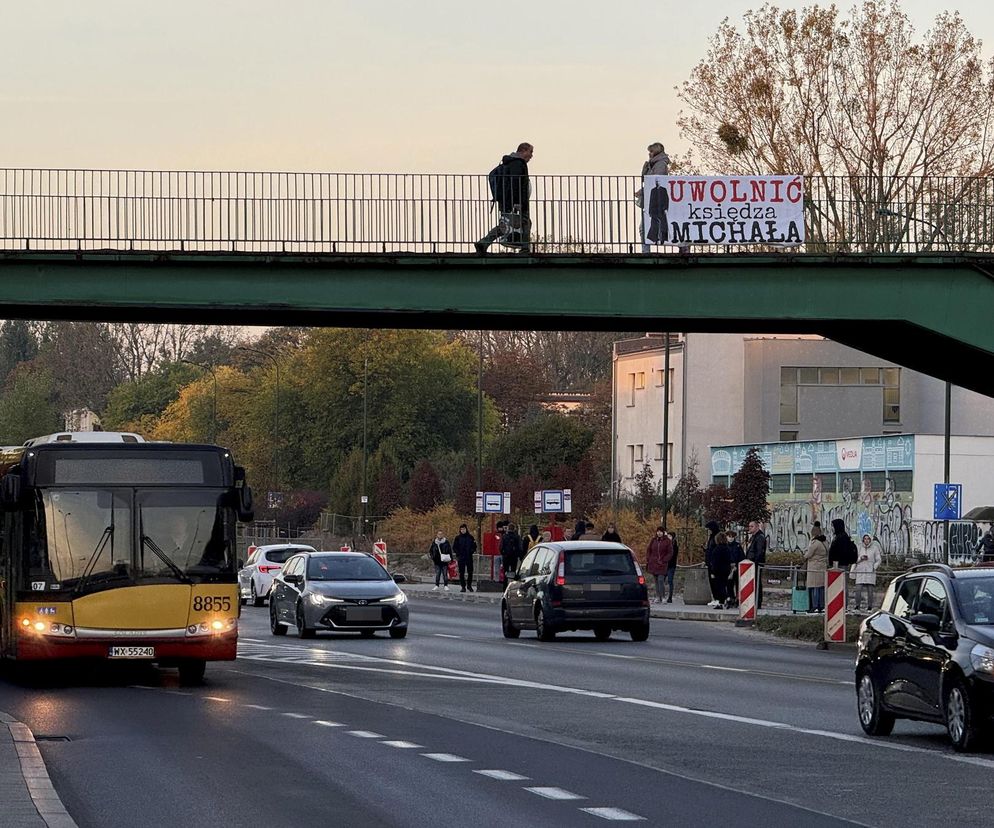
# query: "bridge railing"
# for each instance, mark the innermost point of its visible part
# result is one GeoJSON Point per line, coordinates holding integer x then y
{"type": "Point", "coordinates": [65, 209]}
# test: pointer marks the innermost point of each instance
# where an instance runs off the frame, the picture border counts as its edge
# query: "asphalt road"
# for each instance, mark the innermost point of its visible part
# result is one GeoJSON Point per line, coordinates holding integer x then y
{"type": "Point", "coordinates": [702, 724]}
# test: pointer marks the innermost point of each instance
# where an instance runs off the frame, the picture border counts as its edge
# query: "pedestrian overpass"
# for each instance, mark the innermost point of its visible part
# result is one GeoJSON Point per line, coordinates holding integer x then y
{"type": "Point", "coordinates": [907, 274]}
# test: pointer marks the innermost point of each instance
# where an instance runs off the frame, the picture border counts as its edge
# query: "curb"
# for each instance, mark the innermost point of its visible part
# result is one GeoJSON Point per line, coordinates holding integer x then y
{"type": "Point", "coordinates": [43, 795]}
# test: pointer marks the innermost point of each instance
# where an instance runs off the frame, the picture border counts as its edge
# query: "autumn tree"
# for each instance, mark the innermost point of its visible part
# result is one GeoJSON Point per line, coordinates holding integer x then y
{"type": "Point", "coordinates": [685, 499]}
{"type": "Point", "coordinates": [425, 488]}
{"type": "Point", "coordinates": [389, 493]}
{"type": "Point", "coordinates": [26, 406]}
{"type": "Point", "coordinates": [750, 490]}
{"type": "Point", "coordinates": [716, 504]}
{"type": "Point", "coordinates": [18, 343]}
{"type": "Point", "coordinates": [644, 491]}
{"type": "Point", "coordinates": [822, 92]}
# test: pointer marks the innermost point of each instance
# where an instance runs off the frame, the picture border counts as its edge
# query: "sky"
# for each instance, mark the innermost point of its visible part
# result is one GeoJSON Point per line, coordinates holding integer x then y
{"type": "Point", "coordinates": [358, 85]}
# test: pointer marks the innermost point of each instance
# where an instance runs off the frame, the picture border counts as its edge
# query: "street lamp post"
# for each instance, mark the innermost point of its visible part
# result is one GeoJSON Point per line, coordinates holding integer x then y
{"type": "Point", "coordinates": [205, 366]}
{"type": "Point", "coordinates": [947, 442]}
{"type": "Point", "coordinates": [276, 412]}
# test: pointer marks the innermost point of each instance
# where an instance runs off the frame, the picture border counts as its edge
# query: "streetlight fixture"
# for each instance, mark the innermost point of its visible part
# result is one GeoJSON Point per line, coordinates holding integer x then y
{"type": "Point", "coordinates": [947, 443]}
{"type": "Point", "coordinates": [276, 413]}
{"type": "Point", "coordinates": [206, 366]}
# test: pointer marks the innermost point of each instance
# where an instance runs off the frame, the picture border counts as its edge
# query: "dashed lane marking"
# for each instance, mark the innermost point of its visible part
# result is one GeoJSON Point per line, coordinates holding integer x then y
{"type": "Point", "coordinates": [217, 698]}
{"type": "Point", "coordinates": [615, 814]}
{"type": "Point", "coordinates": [296, 715]}
{"type": "Point", "coordinates": [445, 757]}
{"type": "Point", "coordinates": [257, 706]}
{"type": "Point", "coordinates": [325, 723]}
{"type": "Point", "coordinates": [502, 775]}
{"type": "Point", "coordinates": [365, 734]}
{"type": "Point", "coordinates": [398, 743]}
{"type": "Point", "coordinates": [554, 793]}
{"type": "Point", "coordinates": [446, 635]}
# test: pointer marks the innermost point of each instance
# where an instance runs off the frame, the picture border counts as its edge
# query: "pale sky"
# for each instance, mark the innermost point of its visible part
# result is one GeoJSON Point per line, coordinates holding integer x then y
{"type": "Point", "coordinates": [356, 85]}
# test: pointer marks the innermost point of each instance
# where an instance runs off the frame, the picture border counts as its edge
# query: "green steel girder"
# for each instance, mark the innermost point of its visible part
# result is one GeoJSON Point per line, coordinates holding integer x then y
{"type": "Point", "coordinates": [933, 313]}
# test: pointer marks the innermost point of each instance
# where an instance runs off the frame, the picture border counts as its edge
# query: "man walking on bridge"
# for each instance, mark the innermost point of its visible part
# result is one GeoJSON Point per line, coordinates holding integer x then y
{"type": "Point", "coordinates": [511, 189]}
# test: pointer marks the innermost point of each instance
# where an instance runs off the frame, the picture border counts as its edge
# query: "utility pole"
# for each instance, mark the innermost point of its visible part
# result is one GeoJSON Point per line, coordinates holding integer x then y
{"type": "Point", "coordinates": [479, 440]}
{"type": "Point", "coordinates": [666, 426]}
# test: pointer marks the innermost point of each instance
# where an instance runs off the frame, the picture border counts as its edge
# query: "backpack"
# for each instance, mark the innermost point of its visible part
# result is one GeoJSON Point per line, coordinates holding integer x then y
{"type": "Point", "coordinates": [853, 552]}
{"type": "Point", "coordinates": [493, 179]}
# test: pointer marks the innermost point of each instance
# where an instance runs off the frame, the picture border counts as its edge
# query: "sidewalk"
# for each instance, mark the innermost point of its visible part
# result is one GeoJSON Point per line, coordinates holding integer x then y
{"type": "Point", "coordinates": [677, 610]}
{"type": "Point", "coordinates": [27, 798]}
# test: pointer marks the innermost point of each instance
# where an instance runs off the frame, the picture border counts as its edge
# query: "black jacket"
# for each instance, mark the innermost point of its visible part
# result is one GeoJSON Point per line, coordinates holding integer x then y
{"type": "Point", "coordinates": [611, 537]}
{"type": "Point", "coordinates": [676, 551]}
{"type": "Point", "coordinates": [510, 548]}
{"type": "Point", "coordinates": [756, 550]}
{"type": "Point", "coordinates": [841, 553]}
{"type": "Point", "coordinates": [437, 550]}
{"type": "Point", "coordinates": [719, 560]}
{"type": "Point", "coordinates": [464, 546]}
{"type": "Point", "coordinates": [512, 184]}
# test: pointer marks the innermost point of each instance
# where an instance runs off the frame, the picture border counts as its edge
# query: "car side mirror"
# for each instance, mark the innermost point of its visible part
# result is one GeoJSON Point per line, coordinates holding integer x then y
{"type": "Point", "coordinates": [926, 621]}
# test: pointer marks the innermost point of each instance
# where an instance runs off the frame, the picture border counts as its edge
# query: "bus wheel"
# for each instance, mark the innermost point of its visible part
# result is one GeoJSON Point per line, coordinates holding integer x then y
{"type": "Point", "coordinates": [191, 672]}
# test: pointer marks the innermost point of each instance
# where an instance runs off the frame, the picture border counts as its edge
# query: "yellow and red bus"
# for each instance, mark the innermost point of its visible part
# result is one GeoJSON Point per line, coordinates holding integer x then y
{"type": "Point", "coordinates": [114, 548]}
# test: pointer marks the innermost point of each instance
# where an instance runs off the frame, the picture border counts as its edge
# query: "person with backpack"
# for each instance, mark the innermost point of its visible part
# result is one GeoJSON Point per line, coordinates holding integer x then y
{"type": "Point", "coordinates": [510, 189]}
{"type": "Point", "coordinates": [510, 551]}
{"type": "Point", "coordinates": [756, 552]}
{"type": "Point", "coordinates": [842, 554]}
{"type": "Point", "coordinates": [464, 547]}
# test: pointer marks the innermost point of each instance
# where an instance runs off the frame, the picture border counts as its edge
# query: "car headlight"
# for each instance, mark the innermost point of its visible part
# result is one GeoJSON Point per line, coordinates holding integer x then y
{"type": "Point", "coordinates": [983, 659]}
{"type": "Point", "coordinates": [396, 600]}
{"type": "Point", "coordinates": [321, 600]}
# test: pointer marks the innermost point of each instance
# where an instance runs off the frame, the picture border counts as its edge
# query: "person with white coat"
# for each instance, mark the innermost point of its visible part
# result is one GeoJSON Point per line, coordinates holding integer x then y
{"type": "Point", "coordinates": [865, 570]}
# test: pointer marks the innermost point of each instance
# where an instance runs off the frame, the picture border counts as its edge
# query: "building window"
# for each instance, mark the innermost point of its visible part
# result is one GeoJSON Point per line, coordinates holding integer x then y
{"type": "Point", "coordinates": [639, 453]}
{"type": "Point", "coordinates": [640, 380]}
{"type": "Point", "coordinates": [720, 480]}
{"type": "Point", "coordinates": [788, 436]}
{"type": "Point", "coordinates": [788, 394]}
{"type": "Point", "coordinates": [870, 376]}
{"type": "Point", "coordinates": [828, 376]}
{"type": "Point", "coordinates": [850, 482]}
{"type": "Point", "coordinates": [631, 461]}
{"type": "Point", "coordinates": [828, 482]}
{"type": "Point", "coordinates": [849, 376]}
{"type": "Point", "coordinates": [631, 390]}
{"type": "Point", "coordinates": [807, 376]}
{"type": "Point", "coordinates": [877, 480]}
{"type": "Point", "coordinates": [901, 480]}
{"type": "Point", "coordinates": [669, 457]}
{"type": "Point", "coordinates": [803, 483]}
{"type": "Point", "coordinates": [780, 484]}
{"type": "Point", "coordinates": [892, 395]}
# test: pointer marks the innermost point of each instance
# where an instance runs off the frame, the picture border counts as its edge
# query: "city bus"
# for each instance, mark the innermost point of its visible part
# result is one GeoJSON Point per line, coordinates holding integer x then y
{"type": "Point", "coordinates": [116, 548]}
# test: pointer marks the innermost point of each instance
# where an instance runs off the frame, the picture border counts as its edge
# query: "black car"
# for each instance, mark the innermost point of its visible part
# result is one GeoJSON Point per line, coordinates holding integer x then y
{"type": "Point", "coordinates": [928, 654]}
{"type": "Point", "coordinates": [577, 585]}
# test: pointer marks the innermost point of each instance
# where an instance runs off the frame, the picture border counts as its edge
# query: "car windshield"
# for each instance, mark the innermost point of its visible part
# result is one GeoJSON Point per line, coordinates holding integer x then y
{"type": "Point", "coordinates": [599, 562]}
{"type": "Point", "coordinates": [975, 599]}
{"type": "Point", "coordinates": [345, 568]}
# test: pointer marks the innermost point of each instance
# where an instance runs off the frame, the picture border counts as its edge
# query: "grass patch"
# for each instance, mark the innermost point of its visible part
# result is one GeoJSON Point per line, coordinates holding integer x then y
{"type": "Point", "coordinates": [802, 627]}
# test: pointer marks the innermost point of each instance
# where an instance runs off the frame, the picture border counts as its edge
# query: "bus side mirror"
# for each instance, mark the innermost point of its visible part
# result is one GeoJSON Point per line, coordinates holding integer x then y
{"type": "Point", "coordinates": [245, 508]}
{"type": "Point", "coordinates": [10, 490]}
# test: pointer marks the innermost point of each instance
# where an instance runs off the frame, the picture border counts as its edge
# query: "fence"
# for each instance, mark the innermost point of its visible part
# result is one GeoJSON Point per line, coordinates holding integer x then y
{"type": "Point", "coordinates": [284, 212]}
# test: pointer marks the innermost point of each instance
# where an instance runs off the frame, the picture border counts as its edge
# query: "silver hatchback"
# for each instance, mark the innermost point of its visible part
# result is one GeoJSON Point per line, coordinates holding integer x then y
{"type": "Point", "coordinates": [336, 591]}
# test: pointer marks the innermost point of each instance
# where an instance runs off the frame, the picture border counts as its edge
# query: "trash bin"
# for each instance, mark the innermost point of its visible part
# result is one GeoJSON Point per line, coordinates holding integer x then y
{"type": "Point", "coordinates": [696, 589]}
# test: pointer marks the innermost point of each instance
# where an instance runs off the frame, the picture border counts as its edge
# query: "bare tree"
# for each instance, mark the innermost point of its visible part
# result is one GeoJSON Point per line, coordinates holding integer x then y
{"type": "Point", "coordinates": [141, 346]}
{"type": "Point", "coordinates": [824, 93]}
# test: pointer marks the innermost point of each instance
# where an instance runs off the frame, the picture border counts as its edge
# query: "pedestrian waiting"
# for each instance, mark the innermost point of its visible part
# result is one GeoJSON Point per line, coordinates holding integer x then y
{"type": "Point", "coordinates": [611, 535]}
{"type": "Point", "coordinates": [735, 556]}
{"type": "Point", "coordinates": [817, 560]}
{"type": "Point", "coordinates": [719, 562]}
{"type": "Point", "coordinates": [657, 560]}
{"type": "Point", "coordinates": [756, 552]}
{"type": "Point", "coordinates": [671, 571]}
{"type": "Point", "coordinates": [441, 555]}
{"type": "Point", "coordinates": [864, 571]}
{"type": "Point", "coordinates": [464, 547]}
{"type": "Point", "coordinates": [510, 551]}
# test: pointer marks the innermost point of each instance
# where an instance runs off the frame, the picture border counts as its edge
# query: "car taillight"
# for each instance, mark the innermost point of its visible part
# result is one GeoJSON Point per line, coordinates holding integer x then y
{"type": "Point", "coordinates": [561, 571]}
{"type": "Point", "coordinates": [268, 569]}
{"type": "Point", "coordinates": [638, 570]}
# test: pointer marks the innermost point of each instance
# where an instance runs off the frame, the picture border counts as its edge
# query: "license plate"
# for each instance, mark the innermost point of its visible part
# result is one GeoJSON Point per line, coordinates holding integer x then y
{"type": "Point", "coordinates": [364, 614]}
{"type": "Point", "coordinates": [132, 652]}
{"type": "Point", "coordinates": [603, 587]}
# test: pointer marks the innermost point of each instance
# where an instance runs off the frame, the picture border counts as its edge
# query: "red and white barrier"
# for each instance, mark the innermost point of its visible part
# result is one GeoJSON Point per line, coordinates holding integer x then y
{"type": "Point", "coordinates": [747, 591]}
{"type": "Point", "coordinates": [835, 605]}
{"type": "Point", "coordinates": [380, 552]}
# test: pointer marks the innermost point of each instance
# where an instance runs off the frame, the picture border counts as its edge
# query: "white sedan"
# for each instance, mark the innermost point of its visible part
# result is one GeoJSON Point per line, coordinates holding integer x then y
{"type": "Point", "coordinates": [264, 564]}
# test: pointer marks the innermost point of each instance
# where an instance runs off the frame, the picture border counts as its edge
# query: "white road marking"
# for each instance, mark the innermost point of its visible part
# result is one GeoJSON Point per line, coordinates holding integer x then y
{"type": "Point", "coordinates": [726, 669]}
{"type": "Point", "coordinates": [364, 734]}
{"type": "Point", "coordinates": [217, 698]}
{"type": "Point", "coordinates": [615, 814]}
{"type": "Point", "coordinates": [324, 723]}
{"type": "Point", "coordinates": [253, 640]}
{"type": "Point", "coordinates": [618, 655]}
{"type": "Point", "coordinates": [445, 757]}
{"type": "Point", "coordinates": [446, 635]}
{"type": "Point", "coordinates": [296, 715]}
{"type": "Point", "coordinates": [401, 744]}
{"type": "Point", "coordinates": [257, 706]}
{"type": "Point", "coordinates": [554, 793]}
{"type": "Point", "coordinates": [502, 775]}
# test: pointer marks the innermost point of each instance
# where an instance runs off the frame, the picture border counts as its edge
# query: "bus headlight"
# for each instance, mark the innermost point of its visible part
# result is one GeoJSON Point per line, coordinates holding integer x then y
{"type": "Point", "coordinates": [216, 626]}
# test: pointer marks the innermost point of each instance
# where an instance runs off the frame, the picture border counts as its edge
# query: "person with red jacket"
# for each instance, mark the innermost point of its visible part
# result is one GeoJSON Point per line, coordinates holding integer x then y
{"type": "Point", "coordinates": [657, 560]}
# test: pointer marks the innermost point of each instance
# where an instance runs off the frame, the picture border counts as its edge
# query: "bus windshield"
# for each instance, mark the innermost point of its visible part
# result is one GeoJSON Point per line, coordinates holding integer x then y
{"type": "Point", "coordinates": [90, 539]}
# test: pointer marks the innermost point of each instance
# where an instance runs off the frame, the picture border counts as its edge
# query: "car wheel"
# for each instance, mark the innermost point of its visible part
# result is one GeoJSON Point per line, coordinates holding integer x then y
{"type": "Point", "coordinates": [191, 672]}
{"type": "Point", "coordinates": [542, 628]}
{"type": "Point", "coordinates": [639, 633]}
{"type": "Point", "coordinates": [506, 625]}
{"type": "Point", "coordinates": [874, 720]}
{"type": "Point", "coordinates": [275, 626]}
{"type": "Point", "coordinates": [256, 600]}
{"type": "Point", "coordinates": [303, 631]}
{"type": "Point", "coordinates": [602, 633]}
{"type": "Point", "coordinates": [398, 632]}
{"type": "Point", "coordinates": [961, 720]}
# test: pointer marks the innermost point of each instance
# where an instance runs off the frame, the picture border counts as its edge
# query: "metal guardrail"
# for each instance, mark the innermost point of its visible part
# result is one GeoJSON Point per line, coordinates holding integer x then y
{"type": "Point", "coordinates": [275, 212]}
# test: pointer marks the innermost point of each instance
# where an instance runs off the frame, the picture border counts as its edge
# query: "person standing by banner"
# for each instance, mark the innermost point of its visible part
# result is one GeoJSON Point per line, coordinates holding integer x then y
{"type": "Point", "coordinates": [658, 164]}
